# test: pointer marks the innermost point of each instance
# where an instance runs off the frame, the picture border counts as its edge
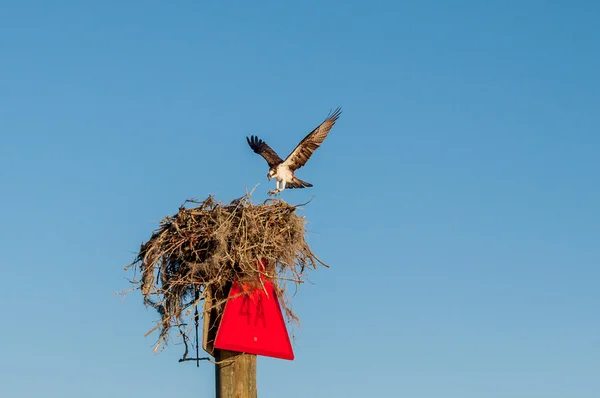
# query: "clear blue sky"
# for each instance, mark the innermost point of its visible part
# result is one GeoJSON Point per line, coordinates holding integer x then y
{"type": "Point", "coordinates": [456, 200]}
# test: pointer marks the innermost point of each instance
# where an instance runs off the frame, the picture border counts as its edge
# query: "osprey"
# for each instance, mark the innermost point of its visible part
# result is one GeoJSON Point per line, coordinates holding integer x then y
{"type": "Point", "coordinates": [283, 170]}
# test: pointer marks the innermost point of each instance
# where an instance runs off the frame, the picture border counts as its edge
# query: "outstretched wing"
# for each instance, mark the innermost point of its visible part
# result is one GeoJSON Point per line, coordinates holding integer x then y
{"type": "Point", "coordinates": [311, 142]}
{"type": "Point", "coordinates": [260, 147]}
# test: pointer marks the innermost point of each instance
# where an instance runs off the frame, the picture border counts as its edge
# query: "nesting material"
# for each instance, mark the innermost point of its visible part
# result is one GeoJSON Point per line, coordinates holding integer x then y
{"type": "Point", "coordinates": [201, 250]}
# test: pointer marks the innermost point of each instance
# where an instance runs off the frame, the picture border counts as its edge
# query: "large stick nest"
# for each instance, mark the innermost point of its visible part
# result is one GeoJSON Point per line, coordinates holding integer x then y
{"type": "Point", "coordinates": [203, 249]}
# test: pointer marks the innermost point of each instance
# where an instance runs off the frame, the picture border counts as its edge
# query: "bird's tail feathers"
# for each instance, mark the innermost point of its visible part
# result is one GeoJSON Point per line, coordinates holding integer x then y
{"type": "Point", "coordinates": [298, 183]}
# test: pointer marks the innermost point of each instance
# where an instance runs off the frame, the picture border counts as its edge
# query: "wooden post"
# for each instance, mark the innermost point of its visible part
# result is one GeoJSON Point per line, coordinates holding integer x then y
{"type": "Point", "coordinates": [235, 374]}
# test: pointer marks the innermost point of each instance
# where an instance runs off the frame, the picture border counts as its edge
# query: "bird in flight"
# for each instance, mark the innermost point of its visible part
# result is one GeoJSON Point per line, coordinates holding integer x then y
{"type": "Point", "coordinates": [283, 170]}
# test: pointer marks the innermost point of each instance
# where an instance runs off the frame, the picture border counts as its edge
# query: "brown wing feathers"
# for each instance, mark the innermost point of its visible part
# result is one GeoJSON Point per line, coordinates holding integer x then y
{"type": "Point", "coordinates": [260, 147]}
{"type": "Point", "coordinates": [311, 142]}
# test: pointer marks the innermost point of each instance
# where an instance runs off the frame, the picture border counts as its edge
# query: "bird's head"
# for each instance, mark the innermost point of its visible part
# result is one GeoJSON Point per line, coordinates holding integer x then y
{"type": "Point", "coordinates": [271, 173]}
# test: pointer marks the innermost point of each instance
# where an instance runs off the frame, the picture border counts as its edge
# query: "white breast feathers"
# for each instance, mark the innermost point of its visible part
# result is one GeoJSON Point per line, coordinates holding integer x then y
{"type": "Point", "coordinates": [284, 173]}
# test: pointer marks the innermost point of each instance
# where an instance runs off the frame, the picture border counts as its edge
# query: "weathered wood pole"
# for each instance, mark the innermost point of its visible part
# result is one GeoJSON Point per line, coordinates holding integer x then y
{"type": "Point", "coordinates": [235, 374]}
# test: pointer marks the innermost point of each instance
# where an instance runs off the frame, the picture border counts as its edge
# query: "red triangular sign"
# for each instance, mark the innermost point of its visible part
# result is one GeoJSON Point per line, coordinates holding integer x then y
{"type": "Point", "coordinates": [253, 323]}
